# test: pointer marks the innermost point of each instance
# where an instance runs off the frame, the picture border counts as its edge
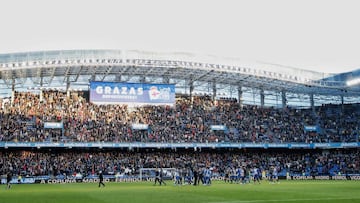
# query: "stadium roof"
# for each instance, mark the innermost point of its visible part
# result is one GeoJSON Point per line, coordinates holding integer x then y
{"type": "Point", "coordinates": [55, 68]}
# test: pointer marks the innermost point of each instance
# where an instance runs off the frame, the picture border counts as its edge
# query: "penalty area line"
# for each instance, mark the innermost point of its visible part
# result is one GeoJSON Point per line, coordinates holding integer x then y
{"type": "Point", "coordinates": [284, 200]}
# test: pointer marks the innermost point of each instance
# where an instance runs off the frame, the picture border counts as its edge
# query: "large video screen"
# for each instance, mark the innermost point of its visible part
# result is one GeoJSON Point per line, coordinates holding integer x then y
{"type": "Point", "coordinates": [132, 94]}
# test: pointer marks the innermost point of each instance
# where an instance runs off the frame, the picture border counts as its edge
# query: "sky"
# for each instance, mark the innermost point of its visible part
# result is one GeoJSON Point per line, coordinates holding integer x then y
{"type": "Point", "coordinates": [319, 35]}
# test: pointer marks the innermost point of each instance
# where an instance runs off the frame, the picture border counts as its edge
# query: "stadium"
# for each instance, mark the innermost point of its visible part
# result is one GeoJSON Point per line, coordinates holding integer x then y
{"type": "Point", "coordinates": [68, 115]}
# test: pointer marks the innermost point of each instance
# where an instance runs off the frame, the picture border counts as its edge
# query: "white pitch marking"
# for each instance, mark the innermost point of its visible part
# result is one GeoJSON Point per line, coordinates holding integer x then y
{"type": "Point", "coordinates": [283, 200]}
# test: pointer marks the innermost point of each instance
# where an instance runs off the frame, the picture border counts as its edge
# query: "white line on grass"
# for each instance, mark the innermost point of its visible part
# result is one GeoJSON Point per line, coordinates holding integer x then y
{"type": "Point", "coordinates": [283, 200]}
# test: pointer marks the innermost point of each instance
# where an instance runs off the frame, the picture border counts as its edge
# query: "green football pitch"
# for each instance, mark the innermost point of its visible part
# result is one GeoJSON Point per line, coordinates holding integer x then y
{"type": "Point", "coordinates": [219, 192]}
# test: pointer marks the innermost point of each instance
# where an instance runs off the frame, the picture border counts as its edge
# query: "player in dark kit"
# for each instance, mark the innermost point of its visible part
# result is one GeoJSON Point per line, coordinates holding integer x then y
{"type": "Point", "coordinates": [159, 177]}
{"type": "Point", "coordinates": [196, 177]}
{"type": "Point", "coordinates": [101, 179]}
{"type": "Point", "coordinates": [201, 177]}
{"type": "Point", "coordinates": [8, 180]}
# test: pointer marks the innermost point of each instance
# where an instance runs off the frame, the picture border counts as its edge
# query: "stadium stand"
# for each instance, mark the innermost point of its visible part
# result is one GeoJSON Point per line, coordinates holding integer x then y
{"type": "Point", "coordinates": [86, 122]}
{"type": "Point", "coordinates": [197, 131]}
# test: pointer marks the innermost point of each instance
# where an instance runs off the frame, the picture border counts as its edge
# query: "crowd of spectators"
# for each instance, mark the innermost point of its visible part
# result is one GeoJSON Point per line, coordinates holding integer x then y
{"type": "Point", "coordinates": [22, 119]}
{"type": "Point", "coordinates": [189, 121]}
{"type": "Point", "coordinates": [39, 163]}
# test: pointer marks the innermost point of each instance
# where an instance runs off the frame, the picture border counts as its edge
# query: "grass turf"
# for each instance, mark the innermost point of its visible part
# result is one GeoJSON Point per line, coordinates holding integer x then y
{"type": "Point", "coordinates": [219, 192]}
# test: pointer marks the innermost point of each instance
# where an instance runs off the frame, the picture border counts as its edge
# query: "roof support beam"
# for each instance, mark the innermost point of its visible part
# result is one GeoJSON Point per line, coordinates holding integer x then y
{"type": "Point", "coordinates": [108, 70]}
{"type": "Point", "coordinates": [78, 74]}
{"type": "Point", "coordinates": [51, 76]}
